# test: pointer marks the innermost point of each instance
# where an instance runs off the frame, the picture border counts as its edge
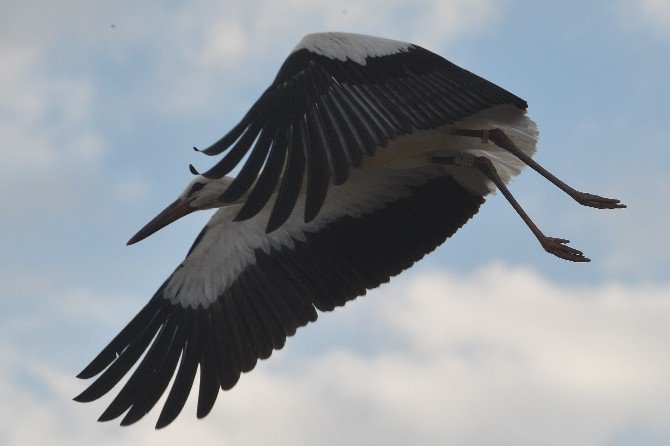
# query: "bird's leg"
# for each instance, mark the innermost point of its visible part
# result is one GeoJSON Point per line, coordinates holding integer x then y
{"type": "Point", "coordinates": [499, 138]}
{"type": "Point", "coordinates": [555, 246]}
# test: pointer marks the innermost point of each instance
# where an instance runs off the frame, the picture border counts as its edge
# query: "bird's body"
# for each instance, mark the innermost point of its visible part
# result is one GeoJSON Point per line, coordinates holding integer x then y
{"type": "Point", "coordinates": [227, 247]}
{"type": "Point", "coordinates": [364, 155]}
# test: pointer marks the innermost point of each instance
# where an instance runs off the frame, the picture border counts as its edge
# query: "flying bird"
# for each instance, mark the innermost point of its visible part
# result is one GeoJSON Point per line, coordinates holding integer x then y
{"type": "Point", "coordinates": [362, 156]}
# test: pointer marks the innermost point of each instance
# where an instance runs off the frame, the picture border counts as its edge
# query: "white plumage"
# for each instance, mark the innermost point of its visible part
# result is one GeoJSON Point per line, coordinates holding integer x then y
{"type": "Point", "coordinates": [354, 47]}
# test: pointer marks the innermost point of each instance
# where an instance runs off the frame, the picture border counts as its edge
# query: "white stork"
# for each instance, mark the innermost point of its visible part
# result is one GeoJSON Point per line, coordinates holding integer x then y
{"type": "Point", "coordinates": [364, 155]}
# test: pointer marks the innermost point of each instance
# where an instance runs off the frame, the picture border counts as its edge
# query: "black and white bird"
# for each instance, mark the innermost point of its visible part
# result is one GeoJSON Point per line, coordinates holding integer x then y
{"type": "Point", "coordinates": [364, 155]}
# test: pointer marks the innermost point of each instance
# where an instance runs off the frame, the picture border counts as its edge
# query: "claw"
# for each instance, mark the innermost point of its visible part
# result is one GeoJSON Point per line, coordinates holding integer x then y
{"type": "Point", "coordinates": [598, 202]}
{"type": "Point", "coordinates": [557, 247]}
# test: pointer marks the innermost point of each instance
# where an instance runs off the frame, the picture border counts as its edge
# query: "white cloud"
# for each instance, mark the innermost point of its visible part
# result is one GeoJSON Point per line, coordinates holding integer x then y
{"type": "Point", "coordinates": [498, 356]}
{"type": "Point", "coordinates": [47, 139]}
{"type": "Point", "coordinates": [656, 13]}
{"type": "Point", "coordinates": [221, 47]}
{"type": "Point", "coordinates": [651, 15]}
{"type": "Point", "coordinates": [251, 30]}
{"type": "Point", "coordinates": [38, 110]}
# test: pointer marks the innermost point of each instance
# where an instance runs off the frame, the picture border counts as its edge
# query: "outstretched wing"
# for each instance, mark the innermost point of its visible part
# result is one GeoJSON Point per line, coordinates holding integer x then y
{"type": "Point", "coordinates": [335, 100]}
{"type": "Point", "coordinates": [241, 292]}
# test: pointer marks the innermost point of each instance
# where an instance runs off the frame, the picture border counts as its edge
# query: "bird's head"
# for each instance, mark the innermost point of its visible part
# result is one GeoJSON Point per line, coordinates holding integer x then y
{"type": "Point", "coordinates": [201, 193]}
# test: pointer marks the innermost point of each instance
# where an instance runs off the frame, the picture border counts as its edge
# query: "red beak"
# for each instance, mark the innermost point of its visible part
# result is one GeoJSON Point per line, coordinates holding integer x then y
{"type": "Point", "coordinates": [170, 214]}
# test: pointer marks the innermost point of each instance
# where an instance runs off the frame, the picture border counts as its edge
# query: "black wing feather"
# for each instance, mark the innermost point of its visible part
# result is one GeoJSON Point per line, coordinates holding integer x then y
{"type": "Point", "coordinates": [346, 110]}
{"type": "Point", "coordinates": [209, 378]}
{"type": "Point", "coordinates": [289, 189]}
{"type": "Point", "coordinates": [228, 139]}
{"type": "Point", "coordinates": [122, 340]}
{"type": "Point", "coordinates": [160, 377]}
{"type": "Point", "coordinates": [318, 172]}
{"type": "Point", "coordinates": [236, 154]}
{"type": "Point", "coordinates": [123, 363]}
{"type": "Point", "coordinates": [267, 181]}
{"type": "Point", "coordinates": [250, 319]}
{"type": "Point", "coordinates": [226, 368]}
{"type": "Point", "coordinates": [369, 131]}
{"type": "Point", "coordinates": [250, 169]}
{"type": "Point", "coordinates": [269, 300]}
{"type": "Point", "coordinates": [243, 340]}
{"type": "Point", "coordinates": [183, 382]}
{"type": "Point", "coordinates": [355, 143]}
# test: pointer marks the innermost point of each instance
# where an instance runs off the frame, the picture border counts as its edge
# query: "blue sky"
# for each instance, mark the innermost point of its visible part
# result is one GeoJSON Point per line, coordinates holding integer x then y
{"type": "Point", "coordinates": [488, 340]}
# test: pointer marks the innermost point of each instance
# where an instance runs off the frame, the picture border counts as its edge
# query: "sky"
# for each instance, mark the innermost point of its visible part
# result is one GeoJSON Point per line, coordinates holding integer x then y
{"type": "Point", "coordinates": [488, 340]}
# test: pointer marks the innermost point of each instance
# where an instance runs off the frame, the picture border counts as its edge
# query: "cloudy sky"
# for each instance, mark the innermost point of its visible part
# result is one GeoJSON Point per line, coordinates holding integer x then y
{"type": "Point", "coordinates": [486, 341]}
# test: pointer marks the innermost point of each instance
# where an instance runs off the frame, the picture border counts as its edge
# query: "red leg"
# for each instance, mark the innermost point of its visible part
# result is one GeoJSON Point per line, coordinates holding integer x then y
{"type": "Point", "coordinates": [499, 138]}
{"type": "Point", "coordinates": [555, 246]}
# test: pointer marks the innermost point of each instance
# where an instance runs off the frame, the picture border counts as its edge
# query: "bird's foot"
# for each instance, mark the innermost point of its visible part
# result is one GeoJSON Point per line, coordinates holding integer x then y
{"type": "Point", "coordinates": [557, 247]}
{"type": "Point", "coordinates": [596, 201]}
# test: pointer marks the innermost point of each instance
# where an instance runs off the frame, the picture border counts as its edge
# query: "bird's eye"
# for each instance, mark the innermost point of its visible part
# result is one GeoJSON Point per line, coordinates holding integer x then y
{"type": "Point", "coordinates": [195, 188]}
